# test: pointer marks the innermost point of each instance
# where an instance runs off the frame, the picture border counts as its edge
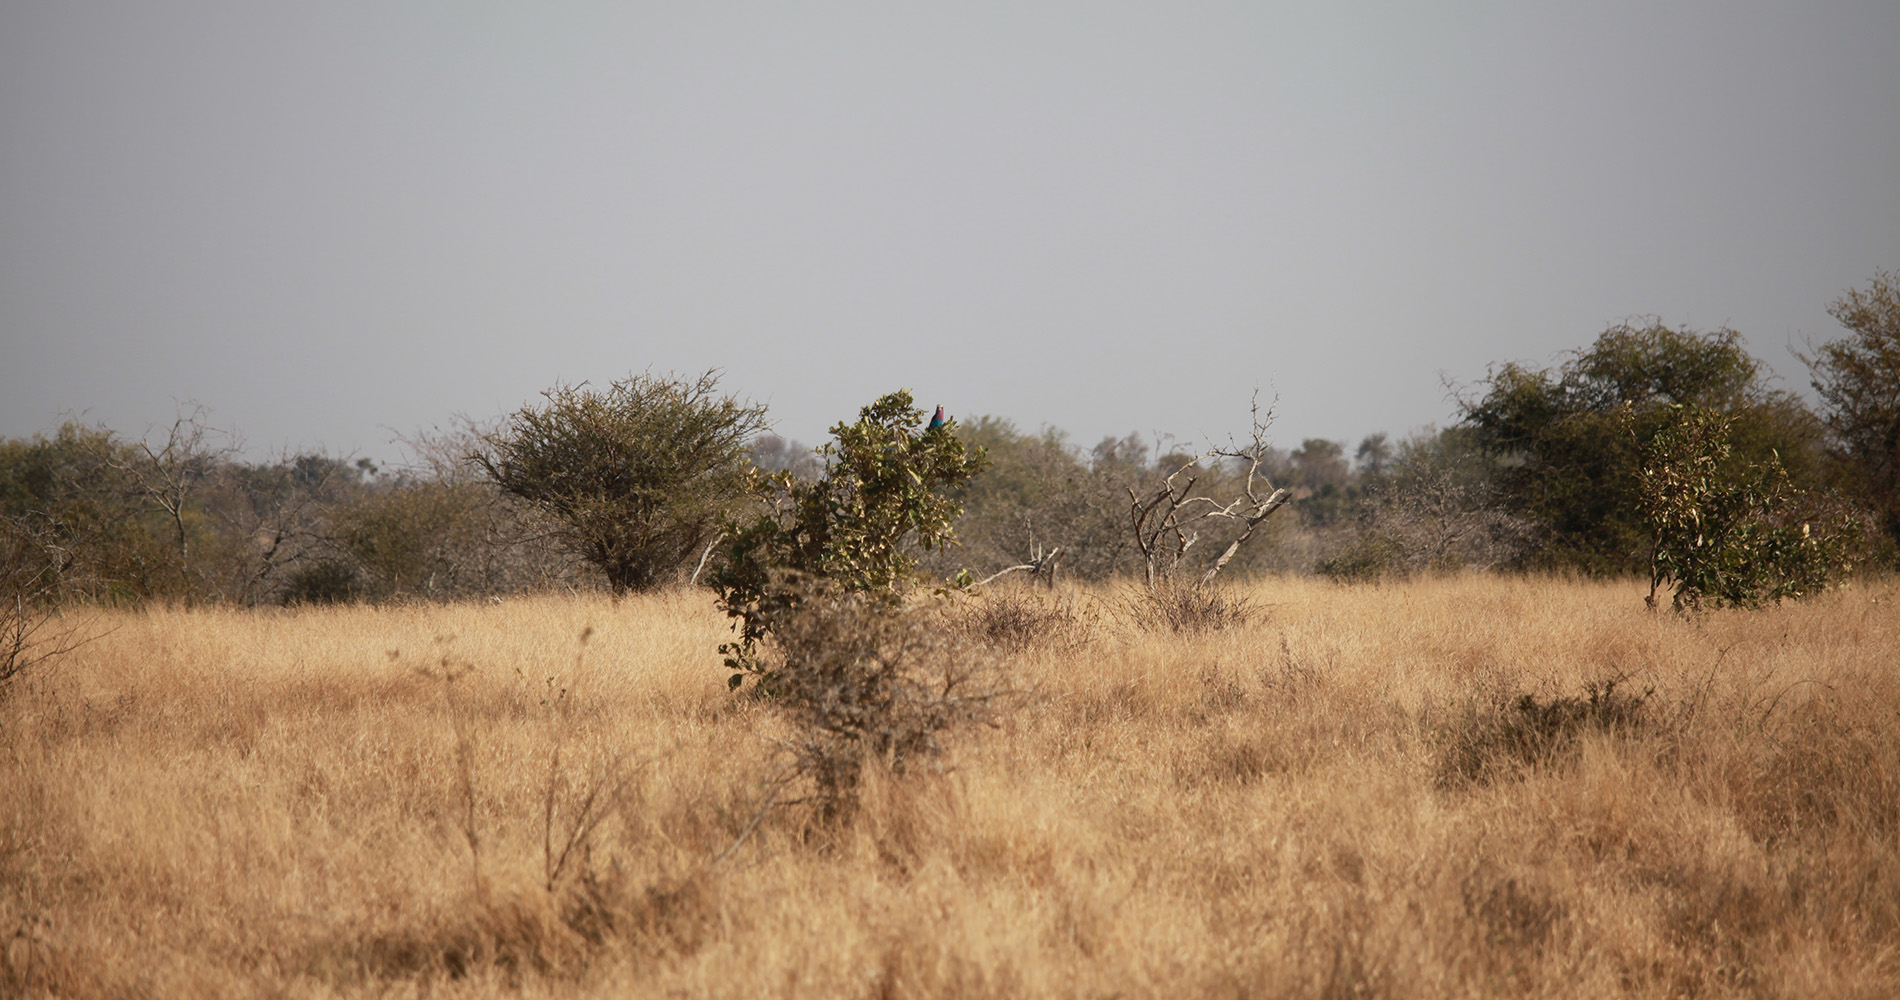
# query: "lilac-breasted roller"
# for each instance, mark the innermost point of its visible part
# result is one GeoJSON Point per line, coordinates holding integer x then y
{"type": "Point", "coordinates": [937, 421]}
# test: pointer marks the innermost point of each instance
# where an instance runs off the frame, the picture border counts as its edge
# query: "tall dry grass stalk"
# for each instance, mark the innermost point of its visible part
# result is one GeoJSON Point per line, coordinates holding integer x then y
{"type": "Point", "coordinates": [1346, 796]}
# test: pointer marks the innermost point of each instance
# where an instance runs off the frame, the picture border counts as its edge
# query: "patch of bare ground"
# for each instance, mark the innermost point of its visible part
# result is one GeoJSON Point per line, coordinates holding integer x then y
{"type": "Point", "coordinates": [1427, 789]}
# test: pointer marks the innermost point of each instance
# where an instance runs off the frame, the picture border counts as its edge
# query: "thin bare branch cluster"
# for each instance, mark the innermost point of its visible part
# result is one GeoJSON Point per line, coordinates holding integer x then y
{"type": "Point", "coordinates": [862, 682]}
{"type": "Point", "coordinates": [32, 629]}
{"type": "Point", "coordinates": [1168, 518]}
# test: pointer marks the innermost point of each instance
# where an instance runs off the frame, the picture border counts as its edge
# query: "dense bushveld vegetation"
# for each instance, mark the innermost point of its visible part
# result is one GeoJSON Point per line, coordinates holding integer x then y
{"type": "Point", "coordinates": [623, 486]}
{"type": "Point", "coordinates": [1463, 786]}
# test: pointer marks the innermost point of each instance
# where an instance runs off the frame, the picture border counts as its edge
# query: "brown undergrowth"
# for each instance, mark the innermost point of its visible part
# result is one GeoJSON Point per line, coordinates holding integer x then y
{"type": "Point", "coordinates": [1429, 789]}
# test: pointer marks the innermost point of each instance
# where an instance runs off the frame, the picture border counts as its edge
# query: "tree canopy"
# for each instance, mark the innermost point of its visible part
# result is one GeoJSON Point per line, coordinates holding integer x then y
{"type": "Point", "coordinates": [1566, 442]}
{"type": "Point", "coordinates": [637, 475]}
{"type": "Point", "coordinates": [1858, 380]}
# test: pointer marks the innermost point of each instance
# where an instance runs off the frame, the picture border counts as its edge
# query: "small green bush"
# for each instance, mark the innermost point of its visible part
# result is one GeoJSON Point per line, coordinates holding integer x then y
{"type": "Point", "coordinates": [821, 588]}
{"type": "Point", "coordinates": [887, 491]}
{"type": "Point", "coordinates": [1729, 532]}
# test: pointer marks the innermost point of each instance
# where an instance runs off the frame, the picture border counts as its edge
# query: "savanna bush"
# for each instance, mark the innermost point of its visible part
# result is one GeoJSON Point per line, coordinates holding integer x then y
{"type": "Point", "coordinates": [824, 588]}
{"type": "Point", "coordinates": [1188, 607]}
{"type": "Point", "coordinates": [1730, 531]}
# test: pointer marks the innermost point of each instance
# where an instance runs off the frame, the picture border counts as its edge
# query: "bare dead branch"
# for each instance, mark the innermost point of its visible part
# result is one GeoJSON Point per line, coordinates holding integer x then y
{"type": "Point", "coordinates": [1041, 564]}
{"type": "Point", "coordinates": [1166, 520]}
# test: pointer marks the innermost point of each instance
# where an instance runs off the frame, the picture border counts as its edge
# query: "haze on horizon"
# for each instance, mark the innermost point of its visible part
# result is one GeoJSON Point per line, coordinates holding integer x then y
{"type": "Point", "coordinates": [331, 224]}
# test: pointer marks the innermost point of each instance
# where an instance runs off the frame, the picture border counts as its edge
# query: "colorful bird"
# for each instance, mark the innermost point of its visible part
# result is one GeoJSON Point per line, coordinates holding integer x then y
{"type": "Point", "coordinates": [937, 421]}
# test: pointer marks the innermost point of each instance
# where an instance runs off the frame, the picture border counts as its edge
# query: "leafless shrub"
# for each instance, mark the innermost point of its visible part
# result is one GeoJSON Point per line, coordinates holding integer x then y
{"type": "Point", "coordinates": [864, 681]}
{"type": "Point", "coordinates": [1189, 608]}
{"type": "Point", "coordinates": [32, 628]}
{"type": "Point", "coordinates": [1167, 517]}
{"type": "Point", "coordinates": [1014, 619]}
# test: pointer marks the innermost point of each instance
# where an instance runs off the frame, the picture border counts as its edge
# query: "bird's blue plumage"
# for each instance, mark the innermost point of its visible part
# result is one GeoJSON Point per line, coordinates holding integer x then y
{"type": "Point", "coordinates": [937, 421]}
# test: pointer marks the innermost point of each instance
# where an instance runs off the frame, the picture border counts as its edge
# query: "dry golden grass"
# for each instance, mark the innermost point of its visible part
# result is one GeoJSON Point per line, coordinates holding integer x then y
{"type": "Point", "coordinates": [354, 802]}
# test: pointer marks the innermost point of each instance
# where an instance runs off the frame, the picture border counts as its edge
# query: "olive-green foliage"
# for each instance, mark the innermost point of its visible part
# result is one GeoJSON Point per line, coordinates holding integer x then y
{"type": "Point", "coordinates": [1725, 530]}
{"type": "Point", "coordinates": [399, 534]}
{"type": "Point", "coordinates": [1322, 479]}
{"type": "Point", "coordinates": [188, 523]}
{"type": "Point", "coordinates": [73, 490]}
{"type": "Point", "coordinates": [1040, 492]}
{"type": "Point", "coordinates": [1566, 443]}
{"type": "Point", "coordinates": [887, 491]}
{"type": "Point", "coordinates": [636, 476]}
{"type": "Point", "coordinates": [1858, 380]}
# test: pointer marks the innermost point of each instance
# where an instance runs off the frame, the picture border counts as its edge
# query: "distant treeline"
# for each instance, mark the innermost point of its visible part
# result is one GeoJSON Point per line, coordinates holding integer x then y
{"type": "Point", "coordinates": [1538, 469]}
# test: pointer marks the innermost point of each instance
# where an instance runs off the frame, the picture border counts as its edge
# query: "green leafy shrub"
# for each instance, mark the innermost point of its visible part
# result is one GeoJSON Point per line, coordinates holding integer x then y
{"type": "Point", "coordinates": [886, 492]}
{"type": "Point", "coordinates": [1725, 531]}
{"type": "Point", "coordinates": [1565, 444]}
{"type": "Point", "coordinates": [819, 587]}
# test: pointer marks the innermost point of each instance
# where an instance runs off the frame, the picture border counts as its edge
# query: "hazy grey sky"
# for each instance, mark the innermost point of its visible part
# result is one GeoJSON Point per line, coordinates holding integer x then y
{"type": "Point", "coordinates": [332, 221]}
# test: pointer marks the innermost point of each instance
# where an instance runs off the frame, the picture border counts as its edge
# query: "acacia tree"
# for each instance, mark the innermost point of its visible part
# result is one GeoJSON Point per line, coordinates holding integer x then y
{"type": "Point", "coordinates": [637, 476]}
{"type": "Point", "coordinates": [1858, 380]}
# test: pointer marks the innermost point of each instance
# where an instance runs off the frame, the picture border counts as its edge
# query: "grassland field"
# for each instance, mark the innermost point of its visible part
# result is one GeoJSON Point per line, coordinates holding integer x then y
{"type": "Point", "coordinates": [1420, 789]}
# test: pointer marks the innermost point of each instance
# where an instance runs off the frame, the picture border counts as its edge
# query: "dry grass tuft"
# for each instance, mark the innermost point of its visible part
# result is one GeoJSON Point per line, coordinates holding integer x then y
{"type": "Point", "coordinates": [471, 801]}
{"type": "Point", "coordinates": [1013, 618]}
{"type": "Point", "coordinates": [1524, 732]}
{"type": "Point", "coordinates": [1189, 608]}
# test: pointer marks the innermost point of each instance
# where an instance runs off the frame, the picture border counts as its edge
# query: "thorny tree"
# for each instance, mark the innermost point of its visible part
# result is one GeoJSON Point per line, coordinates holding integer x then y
{"type": "Point", "coordinates": [637, 476]}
